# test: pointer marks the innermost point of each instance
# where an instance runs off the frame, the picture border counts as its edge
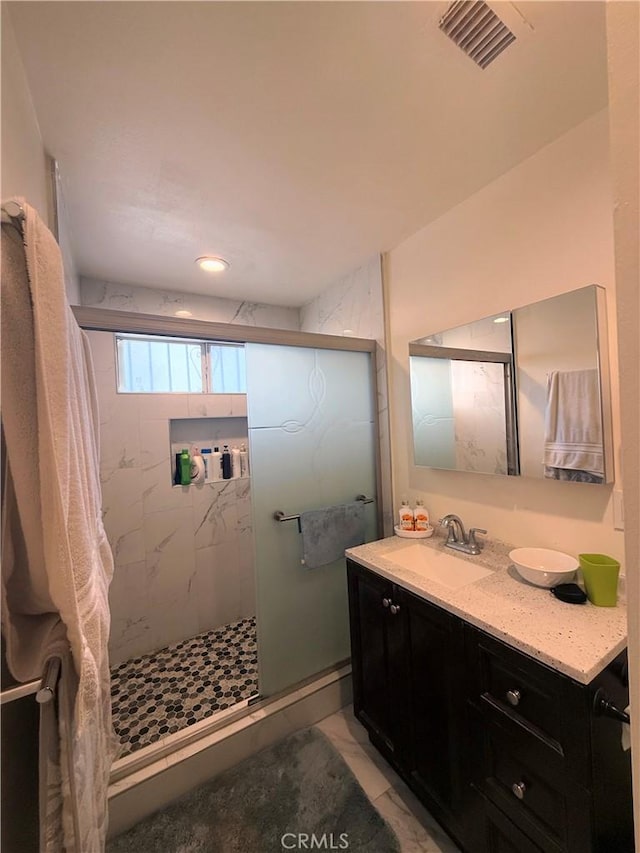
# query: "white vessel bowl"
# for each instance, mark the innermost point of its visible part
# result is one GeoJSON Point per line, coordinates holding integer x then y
{"type": "Point", "coordinates": [543, 566]}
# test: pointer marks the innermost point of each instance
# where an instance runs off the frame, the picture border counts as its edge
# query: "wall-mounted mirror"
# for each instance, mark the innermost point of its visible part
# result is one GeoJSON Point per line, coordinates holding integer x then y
{"type": "Point", "coordinates": [523, 392]}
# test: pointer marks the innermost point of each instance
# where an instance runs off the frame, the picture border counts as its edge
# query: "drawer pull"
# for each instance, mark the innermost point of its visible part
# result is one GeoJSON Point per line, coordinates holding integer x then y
{"type": "Point", "coordinates": [514, 697]}
{"type": "Point", "coordinates": [519, 789]}
{"type": "Point", "coordinates": [386, 602]}
{"type": "Point", "coordinates": [395, 609]}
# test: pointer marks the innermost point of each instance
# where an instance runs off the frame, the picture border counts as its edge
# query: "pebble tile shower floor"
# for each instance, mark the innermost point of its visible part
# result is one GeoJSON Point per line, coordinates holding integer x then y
{"type": "Point", "coordinates": [159, 694]}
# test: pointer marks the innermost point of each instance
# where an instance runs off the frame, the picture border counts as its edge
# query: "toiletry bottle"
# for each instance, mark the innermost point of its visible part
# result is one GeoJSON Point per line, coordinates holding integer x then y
{"type": "Point", "coordinates": [197, 467]}
{"type": "Point", "coordinates": [421, 516]}
{"type": "Point", "coordinates": [216, 465]}
{"type": "Point", "coordinates": [206, 458]}
{"type": "Point", "coordinates": [185, 468]}
{"type": "Point", "coordinates": [406, 516]}
{"type": "Point", "coordinates": [235, 462]}
{"type": "Point", "coordinates": [226, 463]}
{"type": "Point", "coordinates": [244, 461]}
{"type": "Point", "coordinates": [177, 475]}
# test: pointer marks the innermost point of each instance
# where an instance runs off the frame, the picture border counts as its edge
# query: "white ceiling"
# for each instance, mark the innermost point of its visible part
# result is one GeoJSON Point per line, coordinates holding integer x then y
{"type": "Point", "coordinates": [296, 139]}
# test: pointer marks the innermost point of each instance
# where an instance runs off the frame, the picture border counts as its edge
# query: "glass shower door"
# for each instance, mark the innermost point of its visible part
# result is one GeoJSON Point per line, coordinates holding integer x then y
{"type": "Point", "coordinates": [312, 438]}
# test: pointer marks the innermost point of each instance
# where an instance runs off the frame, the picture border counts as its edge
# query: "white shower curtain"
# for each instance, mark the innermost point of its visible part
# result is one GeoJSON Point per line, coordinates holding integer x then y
{"type": "Point", "coordinates": [57, 563]}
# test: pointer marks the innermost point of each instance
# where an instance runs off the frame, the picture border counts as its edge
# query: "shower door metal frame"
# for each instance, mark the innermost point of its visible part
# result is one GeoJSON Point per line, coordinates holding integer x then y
{"type": "Point", "coordinates": [108, 320]}
{"type": "Point", "coordinates": [130, 322]}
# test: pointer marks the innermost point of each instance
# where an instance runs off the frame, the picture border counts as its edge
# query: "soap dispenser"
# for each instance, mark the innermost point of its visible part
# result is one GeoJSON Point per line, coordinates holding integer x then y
{"type": "Point", "coordinates": [406, 516]}
{"type": "Point", "coordinates": [421, 516]}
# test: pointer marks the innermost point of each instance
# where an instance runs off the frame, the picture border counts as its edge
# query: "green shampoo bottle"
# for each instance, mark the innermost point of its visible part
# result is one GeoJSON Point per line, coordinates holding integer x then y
{"type": "Point", "coordinates": [185, 468]}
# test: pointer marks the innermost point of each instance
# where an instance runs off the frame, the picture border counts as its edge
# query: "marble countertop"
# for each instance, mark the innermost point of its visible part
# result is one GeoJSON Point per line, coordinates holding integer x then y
{"type": "Point", "coordinates": [577, 640]}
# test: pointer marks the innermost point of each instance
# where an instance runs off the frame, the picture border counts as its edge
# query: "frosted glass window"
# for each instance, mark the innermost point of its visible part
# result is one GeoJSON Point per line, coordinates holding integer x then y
{"type": "Point", "coordinates": [227, 369]}
{"type": "Point", "coordinates": [155, 365]}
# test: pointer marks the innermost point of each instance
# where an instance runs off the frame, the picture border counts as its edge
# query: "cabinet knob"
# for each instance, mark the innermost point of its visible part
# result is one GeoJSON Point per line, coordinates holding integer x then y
{"type": "Point", "coordinates": [386, 602]}
{"type": "Point", "coordinates": [395, 609]}
{"type": "Point", "coordinates": [519, 790]}
{"type": "Point", "coordinates": [514, 697]}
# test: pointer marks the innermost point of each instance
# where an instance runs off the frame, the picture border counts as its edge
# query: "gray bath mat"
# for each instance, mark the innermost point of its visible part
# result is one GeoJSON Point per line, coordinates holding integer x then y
{"type": "Point", "coordinates": [297, 794]}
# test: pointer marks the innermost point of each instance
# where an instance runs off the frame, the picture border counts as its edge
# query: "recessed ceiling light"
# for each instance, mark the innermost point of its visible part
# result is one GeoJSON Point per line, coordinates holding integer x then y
{"type": "Point", "coordinates": [212, 264]}
{"type": "Point", "coordinates": [347, 332]}
{"type": "Point", "coordinates": [183, 313]}
{"type": "Point", "coordinates": [501, 320]}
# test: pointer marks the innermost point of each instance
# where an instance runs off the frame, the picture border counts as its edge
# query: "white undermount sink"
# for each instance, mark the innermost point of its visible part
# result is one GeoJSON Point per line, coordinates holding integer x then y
{"type": "Point", "coordinates": [436, 565]}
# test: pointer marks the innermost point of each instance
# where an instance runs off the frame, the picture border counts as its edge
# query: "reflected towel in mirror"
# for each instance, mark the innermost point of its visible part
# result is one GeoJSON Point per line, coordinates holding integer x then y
{"type": "Point", "coordinates": [573, 424]}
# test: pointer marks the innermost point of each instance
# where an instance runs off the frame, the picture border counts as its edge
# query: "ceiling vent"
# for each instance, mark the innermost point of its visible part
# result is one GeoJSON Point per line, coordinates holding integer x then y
{"type": "Point", "coordinates": [477, 30]}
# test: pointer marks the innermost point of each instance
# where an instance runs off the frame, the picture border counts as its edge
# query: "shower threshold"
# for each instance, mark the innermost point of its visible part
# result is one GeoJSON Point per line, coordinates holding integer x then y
{"type": "Point", "coordinates": [159, 695]}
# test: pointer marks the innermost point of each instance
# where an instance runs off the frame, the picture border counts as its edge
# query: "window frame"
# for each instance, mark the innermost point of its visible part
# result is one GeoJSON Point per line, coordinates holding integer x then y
{"type": "Point", "coordinates": [206, 370]}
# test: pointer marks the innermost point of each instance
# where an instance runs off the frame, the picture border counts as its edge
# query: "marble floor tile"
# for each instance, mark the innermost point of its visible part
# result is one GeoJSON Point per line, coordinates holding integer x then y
{"type": "Point", "coordinates": [351, 740]}
{"type": "Point", "coordinates": [417, 830]}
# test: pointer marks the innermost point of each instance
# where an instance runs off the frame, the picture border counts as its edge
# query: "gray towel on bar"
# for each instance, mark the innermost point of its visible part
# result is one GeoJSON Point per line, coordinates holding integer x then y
{"type": "Point", "coordinates": [327, 532]}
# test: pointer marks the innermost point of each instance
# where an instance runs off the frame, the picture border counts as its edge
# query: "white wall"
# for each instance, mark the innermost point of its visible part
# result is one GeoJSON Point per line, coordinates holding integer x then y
{"type": "Point", "coordinates": [25, 166]}
{"type": "Point", "coordinates": [623, 28]}
{"type": "Point", "coordinates": [543, 228]}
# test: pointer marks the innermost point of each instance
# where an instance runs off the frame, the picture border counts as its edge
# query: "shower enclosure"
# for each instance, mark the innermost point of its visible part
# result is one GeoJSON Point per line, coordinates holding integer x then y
{"type": "Point", "coordinates": [212, 606]}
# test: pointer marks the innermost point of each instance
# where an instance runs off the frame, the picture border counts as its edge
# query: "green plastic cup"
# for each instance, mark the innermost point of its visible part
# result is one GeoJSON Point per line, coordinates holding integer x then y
{"type": "Point", "coordinates": [600, 575]}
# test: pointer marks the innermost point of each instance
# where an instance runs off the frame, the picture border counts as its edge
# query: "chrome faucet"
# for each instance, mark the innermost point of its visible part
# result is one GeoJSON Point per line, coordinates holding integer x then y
{"type": "Point", "coordinates": [458, 539]}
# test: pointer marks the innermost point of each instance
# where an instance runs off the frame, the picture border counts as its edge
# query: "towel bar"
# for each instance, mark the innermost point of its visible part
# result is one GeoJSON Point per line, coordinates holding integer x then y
{"type": "Point", "coordinates": [44, 688]}
{"type": "Point", "coordinates": [19, 691]}
{"type": "Point", "coordinates": [602, 706]}
{"type": "Point", "coordinates": [49, 681]}
{"type": "Point", "coordinates": [278, 515]}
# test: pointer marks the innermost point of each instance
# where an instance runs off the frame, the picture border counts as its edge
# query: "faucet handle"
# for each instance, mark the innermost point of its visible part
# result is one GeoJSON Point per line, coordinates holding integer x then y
{"type": "Point", "coordinates": [472, 536]}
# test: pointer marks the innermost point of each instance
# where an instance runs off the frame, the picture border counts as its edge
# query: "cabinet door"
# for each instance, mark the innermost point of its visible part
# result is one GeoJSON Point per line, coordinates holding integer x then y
{"type": "Point", "coordinates": [434, 676]}
{"type": "Point", "coordinates": [376, 640]}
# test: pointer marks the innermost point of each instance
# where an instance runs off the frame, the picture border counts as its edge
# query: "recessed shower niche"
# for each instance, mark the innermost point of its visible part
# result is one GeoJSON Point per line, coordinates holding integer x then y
{"type": "Point", "coordinates": [208, 438]}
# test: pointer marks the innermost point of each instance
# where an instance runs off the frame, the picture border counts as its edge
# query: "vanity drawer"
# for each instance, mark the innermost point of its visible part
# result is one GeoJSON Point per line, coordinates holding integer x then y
{"type": "Point", "coordinates": [548, 706]}
{"type": "Point", "coordinates": [528, 781]}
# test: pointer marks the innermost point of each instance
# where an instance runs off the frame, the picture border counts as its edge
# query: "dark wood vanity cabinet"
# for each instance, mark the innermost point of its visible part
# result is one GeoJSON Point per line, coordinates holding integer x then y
{"type": "Point", "coordinates": [553, 767]}
{"type": "Point", "coordinates": [377, 649]}
{"type": "Point", "coordinates": [406, 686]}
{"type": "Point", "coordinates": [505, 752]}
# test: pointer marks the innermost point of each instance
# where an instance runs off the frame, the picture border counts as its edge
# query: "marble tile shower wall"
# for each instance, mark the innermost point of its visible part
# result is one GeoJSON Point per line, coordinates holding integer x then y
{"type": "Point", "coordinates": [354, 307]}
{"type": "Point", "coordinates": [183, 557]}
{"type": "Point", "coordinates": [95, 293]}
